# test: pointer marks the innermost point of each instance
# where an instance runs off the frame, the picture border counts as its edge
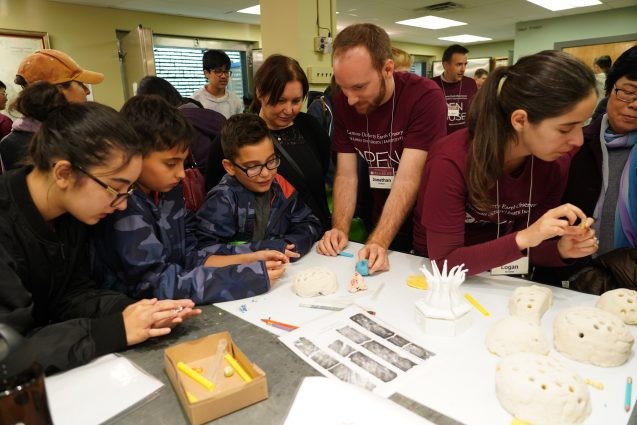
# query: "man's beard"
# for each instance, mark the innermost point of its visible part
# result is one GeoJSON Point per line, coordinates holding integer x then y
{"type": "Point", "coordinates": [378, 99]}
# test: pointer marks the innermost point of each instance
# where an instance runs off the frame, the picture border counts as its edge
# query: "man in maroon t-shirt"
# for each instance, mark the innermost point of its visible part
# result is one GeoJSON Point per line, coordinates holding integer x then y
{"type": "Point", "coordinates": [458, 89]}
{"type": "Point", "coordinates": [388, 119]}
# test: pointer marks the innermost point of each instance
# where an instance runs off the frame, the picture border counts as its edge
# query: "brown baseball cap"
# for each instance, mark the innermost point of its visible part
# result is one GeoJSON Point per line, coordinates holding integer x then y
{"type": "Point", "coordinates": [55, 67]}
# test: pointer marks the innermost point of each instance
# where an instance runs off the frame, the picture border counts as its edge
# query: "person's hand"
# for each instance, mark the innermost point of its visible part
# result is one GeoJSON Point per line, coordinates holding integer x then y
{"type": "Point", "coordinates": [268, 255]}
{"type": "Point", "coordinates": [275, 269]}
{"type": "Point", "coordinates": [290, 252]}
{"type": "Point", "coordinates": [578, 241]}
{"type": "Point", "coordinates": [376, 254]}
{"type": "Point", "coordinates": [555, 222]}
{"type": "Point", "coordinates": [332, 242]}
{"type": "Point", "coordinates": [150, 318]}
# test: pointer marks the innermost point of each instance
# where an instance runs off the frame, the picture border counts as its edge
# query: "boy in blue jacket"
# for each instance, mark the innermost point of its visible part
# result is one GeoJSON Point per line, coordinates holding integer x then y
{"type": "Point", "coordinates": [252, 205]}
{"type": "Point", "coordinates": [149, 249]}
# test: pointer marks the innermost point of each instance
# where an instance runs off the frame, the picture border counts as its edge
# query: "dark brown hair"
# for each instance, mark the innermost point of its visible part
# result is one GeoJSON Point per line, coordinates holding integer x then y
{"type": "Point", "coordinates": [85, 134]}
{"type": "Point", "coordinates": [242, 130]}
{"type": "Point", "coordinates": [159, 125]}
{"type": "Point", "coordinates": [272, 77]}
{"type": "Point", "coordinates": [545, 85]}
{"type": "Point", "coordinates": [37, 100]}
{"type": "Point", "coordinates": [370, 36]}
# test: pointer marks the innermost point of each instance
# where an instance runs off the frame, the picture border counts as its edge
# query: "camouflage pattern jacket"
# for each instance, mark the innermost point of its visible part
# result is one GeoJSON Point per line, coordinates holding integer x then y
{"type": "Point", "coordinates": [149, 250]}
{"type": "Point", "coordinates": [228, 215]}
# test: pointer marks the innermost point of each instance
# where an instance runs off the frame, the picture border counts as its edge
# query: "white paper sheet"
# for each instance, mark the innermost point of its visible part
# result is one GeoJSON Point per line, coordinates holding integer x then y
{"type": "Point", "coordinates": [355, 347]}
{"type": "Point", "coordinates": [321, 401]}
{"type": "Point", "coordinates": [103, 388]}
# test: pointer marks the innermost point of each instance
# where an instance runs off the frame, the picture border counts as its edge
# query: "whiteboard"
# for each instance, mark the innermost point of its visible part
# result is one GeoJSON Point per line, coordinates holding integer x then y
{"type": "Point", "coordinates": [15, 45]}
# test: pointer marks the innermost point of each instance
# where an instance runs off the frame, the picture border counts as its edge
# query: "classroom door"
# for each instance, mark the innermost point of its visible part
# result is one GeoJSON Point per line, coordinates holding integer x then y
{"type": "Point", "coordinates": [138, 59]}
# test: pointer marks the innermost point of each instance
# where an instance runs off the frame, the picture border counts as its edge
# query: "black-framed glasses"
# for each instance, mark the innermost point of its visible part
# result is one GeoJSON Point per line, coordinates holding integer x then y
{"type": "Point", "coordinates": [625, 95]}
{"type": "Point", "coordinates": [219, 72]}
{"type": "Point", "coordinates": [255, 170]}
{"type": "Point", "coordinates": [119, 197]}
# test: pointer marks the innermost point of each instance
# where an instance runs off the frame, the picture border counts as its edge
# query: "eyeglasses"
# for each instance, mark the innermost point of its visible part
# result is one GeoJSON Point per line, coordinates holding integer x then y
{"type": "Point", "coordinates": [255, 170]}
{"type": "Point", "coordinates": [625, 96]}
{"type": "Point", "coordinates": [220, 72]}
{"type": "Point", "coordinates": [119, 197]}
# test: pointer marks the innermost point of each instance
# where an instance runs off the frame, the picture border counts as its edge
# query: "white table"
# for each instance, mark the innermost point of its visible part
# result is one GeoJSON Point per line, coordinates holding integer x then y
{"type": "Point", "coordinates": [460, 380]}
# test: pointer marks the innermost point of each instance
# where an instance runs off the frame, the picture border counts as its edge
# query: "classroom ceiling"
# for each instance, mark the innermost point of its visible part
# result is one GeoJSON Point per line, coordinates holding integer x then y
{"type": "Point", "coordinates": [495, 19]}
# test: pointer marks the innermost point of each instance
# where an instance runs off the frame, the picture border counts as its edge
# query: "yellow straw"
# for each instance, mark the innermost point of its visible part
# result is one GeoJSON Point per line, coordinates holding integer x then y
{"type": "Point", "coordinates": [188, 371]}
{"type": "Point", "coordinates": [237, 367]}
{"type": "Point", "coordinates": [476, 304]}
{"type": "Point", "coordinates": [191, 398]}
{"type": "Point", "coordinates": [594, 384]}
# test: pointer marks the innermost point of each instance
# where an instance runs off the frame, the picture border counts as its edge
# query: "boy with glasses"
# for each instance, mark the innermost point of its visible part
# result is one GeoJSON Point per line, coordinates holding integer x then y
{"type": "Point", "coordinates": [149, 249]}
{"type": "Point", "coordinates": [253, 206]}
{"type": "Point", "coordinates": [216, 69]}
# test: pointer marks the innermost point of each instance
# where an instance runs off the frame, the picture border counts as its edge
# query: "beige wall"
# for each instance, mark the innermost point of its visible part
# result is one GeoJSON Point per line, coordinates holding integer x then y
{"type": "Point", "coordinates": [88, 34]}
{"type": "Point", "coordinates": [534, 36]}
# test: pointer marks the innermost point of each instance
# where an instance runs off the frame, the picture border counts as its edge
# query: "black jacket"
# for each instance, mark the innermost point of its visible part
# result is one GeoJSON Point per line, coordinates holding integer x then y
{"type": "Point", "coordinates": [46, 293]}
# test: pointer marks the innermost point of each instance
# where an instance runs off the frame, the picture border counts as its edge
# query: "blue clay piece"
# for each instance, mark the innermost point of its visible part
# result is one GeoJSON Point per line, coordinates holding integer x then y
{"type": "Point", "coordinates": [361, 268]}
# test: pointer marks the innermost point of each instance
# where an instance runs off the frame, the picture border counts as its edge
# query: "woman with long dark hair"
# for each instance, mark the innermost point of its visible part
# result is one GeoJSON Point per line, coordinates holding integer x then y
{"type": "Point", "coordinates": [490, 195]}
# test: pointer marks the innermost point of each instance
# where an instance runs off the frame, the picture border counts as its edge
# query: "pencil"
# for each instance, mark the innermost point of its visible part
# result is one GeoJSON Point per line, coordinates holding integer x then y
{"type": "Point", "coordinates": [279, 325]}
{"type": "Point", "coordinates": [629, 393]}
{"type": "Point", "coordinates": [476, 304]}
{"type": "Point", "coordinates": [321, 306]}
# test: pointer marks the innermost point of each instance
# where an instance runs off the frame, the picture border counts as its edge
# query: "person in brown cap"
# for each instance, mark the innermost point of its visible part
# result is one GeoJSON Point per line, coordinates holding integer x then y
{"type": "Point", "coordinates": [56, 67]}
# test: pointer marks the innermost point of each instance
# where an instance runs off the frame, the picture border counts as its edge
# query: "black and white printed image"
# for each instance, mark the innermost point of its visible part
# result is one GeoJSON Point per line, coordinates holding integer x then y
{"type": "Point", "coordinates": [372, 366]}
{"type": "Point", "coordinates": [371, 325]}
{"type": "Point", "coordinates": [341, 348]}
{"type": "Point", "coordinates": [398, 340]}
{"type": "Point", "coordinates": [305, 346]}
{"type": "Point", "coordinates": [353, 334]}
{"type": "Point", "coordinates": [346, 374]}
{"type": "Point", "coordinates": [325, 360]}
{"type": "Point", "coordinates": [389, 356]}
{"type": "Point", "coordinates": [418, 351]}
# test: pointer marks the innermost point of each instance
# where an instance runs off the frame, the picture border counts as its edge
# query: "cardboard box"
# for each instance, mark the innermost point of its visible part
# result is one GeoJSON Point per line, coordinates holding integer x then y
{"type": "Point", "coordinates": [230, 393]}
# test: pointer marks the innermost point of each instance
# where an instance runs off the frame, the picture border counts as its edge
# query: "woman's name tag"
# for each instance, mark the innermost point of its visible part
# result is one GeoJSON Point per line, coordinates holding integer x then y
{"type": "Point", "coordinates": [519, 266]}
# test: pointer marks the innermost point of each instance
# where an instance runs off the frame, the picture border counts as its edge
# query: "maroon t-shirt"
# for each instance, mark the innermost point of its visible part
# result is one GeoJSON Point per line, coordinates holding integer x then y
{"type": "Point", "coordinates": [458, 96]}
{"type": "Point", "coordinates": [418, 120]}
{"type": "Point", "coordinates": [448, 226]}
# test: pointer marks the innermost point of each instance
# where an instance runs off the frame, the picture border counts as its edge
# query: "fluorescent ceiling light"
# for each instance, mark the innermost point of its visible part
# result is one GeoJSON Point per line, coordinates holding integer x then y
{"type": "Point", "coordinates": [465, 38]}
{"type": "Point", "coordinates": [431, 22]}
{"type": "Point", "coordinates": [254, 10]}
{"type": "Point", "coordinates": [564, 4]}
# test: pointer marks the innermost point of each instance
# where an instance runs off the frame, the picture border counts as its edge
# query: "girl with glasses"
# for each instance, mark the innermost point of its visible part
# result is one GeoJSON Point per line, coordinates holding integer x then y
{"type": "Point", "coordinates": [83, 160]}
{"type": "Point", "coordinates": [490, 195]}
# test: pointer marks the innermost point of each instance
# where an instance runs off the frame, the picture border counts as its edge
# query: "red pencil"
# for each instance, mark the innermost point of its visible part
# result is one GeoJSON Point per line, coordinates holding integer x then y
{"type": "Point", "coordinates": [279, 325]}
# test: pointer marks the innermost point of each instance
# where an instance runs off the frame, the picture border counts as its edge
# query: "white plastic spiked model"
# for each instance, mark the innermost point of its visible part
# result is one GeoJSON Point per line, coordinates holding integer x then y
{"type": "Point", "coordinates": [443, 311]}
